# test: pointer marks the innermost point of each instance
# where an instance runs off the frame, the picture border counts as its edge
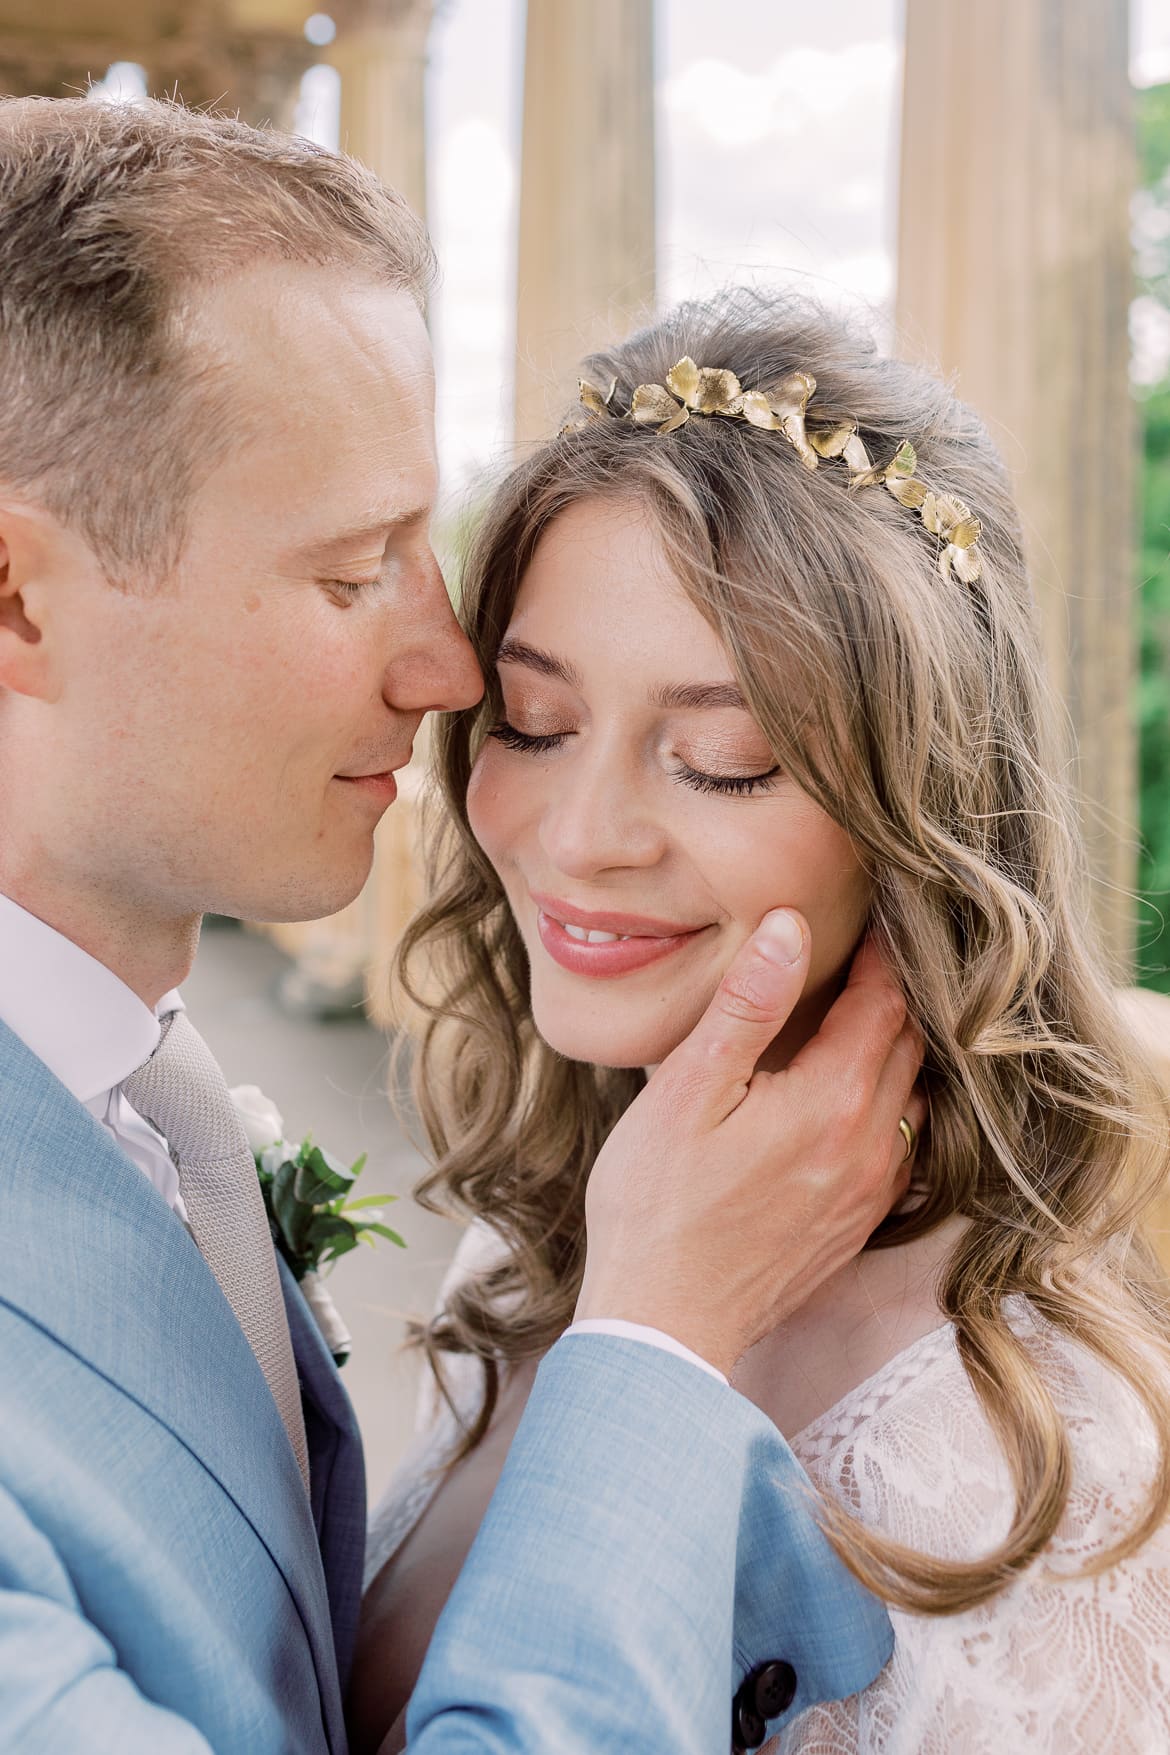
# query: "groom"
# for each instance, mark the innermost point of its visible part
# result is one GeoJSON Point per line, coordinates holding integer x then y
{"type": "Point", "coordinates": [221, 625]}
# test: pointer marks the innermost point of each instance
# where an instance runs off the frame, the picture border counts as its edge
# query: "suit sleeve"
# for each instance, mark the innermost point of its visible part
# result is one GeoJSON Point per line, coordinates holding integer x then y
{"type": "Point", "coordinates": [61, 1691]}
{"type": "Point", "coordinates": [651, 1542]}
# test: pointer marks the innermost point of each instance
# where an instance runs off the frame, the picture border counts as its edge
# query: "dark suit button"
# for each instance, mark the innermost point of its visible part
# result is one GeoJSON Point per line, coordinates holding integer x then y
{"type": "Point", "coordinates": [747, 1727]}
{"type": "Point", "coordinates": [773, 1688]}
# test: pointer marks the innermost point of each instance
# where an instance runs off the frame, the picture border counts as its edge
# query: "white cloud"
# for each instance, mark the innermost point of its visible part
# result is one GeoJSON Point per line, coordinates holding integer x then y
{"type": "Point", "coordinates": [775, 135]}
{"type": "Point", "coordinates": [782, 172]}
{"type": "Point", "coordinates": [474, 200]}
{"type": "Point", "coordinates": [1149, 334]}
{"type": "Point", "coordinates": [802, 89]}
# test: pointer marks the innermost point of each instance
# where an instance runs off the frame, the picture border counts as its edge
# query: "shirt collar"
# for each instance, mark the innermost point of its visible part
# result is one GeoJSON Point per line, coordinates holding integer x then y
{"type": "Point", "coordinates": [76, 1015]}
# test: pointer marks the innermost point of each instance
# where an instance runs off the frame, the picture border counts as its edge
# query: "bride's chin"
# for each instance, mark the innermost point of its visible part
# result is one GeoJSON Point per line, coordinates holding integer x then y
{"type": "Point", "coordinates": [606, 1047]}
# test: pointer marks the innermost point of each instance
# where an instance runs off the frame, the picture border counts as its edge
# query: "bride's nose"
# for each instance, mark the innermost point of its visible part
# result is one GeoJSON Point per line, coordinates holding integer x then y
{"type": "Point", "coordinates": [597, 819]}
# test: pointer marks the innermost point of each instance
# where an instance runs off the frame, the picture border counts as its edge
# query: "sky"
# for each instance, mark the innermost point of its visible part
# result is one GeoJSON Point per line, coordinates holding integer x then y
{"type": "Point", "coordinates": [741, 192]}
{"type": "Point", "coordinates": [777, 138]}
{"type": "Point", "coordinates": [776, 130]}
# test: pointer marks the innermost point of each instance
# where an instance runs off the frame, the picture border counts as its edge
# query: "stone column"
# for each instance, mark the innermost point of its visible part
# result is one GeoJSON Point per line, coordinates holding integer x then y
{"type": "Point", "coordinates": [586, 256]}
{"type": "Point", "coordinates": [66, 71]}
{"type": "Point", "coordinates": [1014, 276]}
{"type": "Point", "coordinates": [381, 54]}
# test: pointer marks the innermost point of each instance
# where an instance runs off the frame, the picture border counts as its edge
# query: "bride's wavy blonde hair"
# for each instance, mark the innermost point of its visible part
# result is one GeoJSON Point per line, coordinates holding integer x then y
{"type": "Point", "coordinates": [915, 713]}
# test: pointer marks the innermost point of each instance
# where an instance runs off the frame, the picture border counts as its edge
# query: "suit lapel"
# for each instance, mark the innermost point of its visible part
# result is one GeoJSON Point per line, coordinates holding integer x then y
{"type": "Point", "coordinates": [95, 1256]}
{"type": "Point", "coordinates": [337, 1471]}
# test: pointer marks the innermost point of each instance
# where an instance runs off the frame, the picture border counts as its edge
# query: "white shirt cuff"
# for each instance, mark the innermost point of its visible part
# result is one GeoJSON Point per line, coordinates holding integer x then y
{"type": "Point", "coordinates": [650, 1337]}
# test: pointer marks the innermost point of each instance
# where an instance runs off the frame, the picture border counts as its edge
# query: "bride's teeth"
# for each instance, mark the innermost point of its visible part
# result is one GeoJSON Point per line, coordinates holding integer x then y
{"type": "Point", "coordinates": [593, 938]}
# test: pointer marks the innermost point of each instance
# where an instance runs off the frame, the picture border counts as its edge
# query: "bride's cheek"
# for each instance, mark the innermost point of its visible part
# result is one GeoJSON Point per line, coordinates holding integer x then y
{"type": "Point", "coordinates": [486, 800]}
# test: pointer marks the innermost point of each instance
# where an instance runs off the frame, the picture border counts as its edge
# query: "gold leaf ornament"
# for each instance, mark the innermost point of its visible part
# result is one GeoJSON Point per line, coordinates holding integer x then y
{"type": "Point", "coordinates": [653, 406]}
{"type": "Point", "coordinates": [595, 400]}
{"type": "Point", "coordinates": [841, 441]}
{"type": "Point", "coordinates": [596, 403]}
{"type": "Point", "coordinates": [788, 402]}
{"type": "Point", "coordinates": [966, 563]}
{"type": "Point", "coordinates": [756, 409]}
{"type": "Point", "coordinates": [705, 389]}
{"type": "Point", "coordinates": [900, 467]}
{"type": "Point", "coordinates": [712, 390]}
{"type": "Point", "coordinates": [908, 492]}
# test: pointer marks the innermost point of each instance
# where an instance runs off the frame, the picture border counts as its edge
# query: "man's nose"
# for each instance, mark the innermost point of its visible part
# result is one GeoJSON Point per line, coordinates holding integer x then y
{"type": "Point", "coordinates": [432, 667]}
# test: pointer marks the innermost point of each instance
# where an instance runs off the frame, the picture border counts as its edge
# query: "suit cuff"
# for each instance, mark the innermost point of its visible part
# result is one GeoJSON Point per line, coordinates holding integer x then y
{"type": "Point", "coordinates": [650, 1337]}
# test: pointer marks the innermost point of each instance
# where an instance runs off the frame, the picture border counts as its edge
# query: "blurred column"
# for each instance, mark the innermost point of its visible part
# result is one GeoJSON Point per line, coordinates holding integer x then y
{"type": "Point", "coordinates": [257, 77]}
{"type": "Point", "coordinates": [381, 55]}
{"type": "Point", "coordinates": [1014, 271]}
{"type": "Point", "coordinates": [586, 258]}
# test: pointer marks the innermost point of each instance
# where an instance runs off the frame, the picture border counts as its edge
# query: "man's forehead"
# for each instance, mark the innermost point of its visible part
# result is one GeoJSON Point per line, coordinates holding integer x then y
{"type": "Point", "coordinates": [325, 403]}
{"type": "Point", "coordinates": [312, 328]}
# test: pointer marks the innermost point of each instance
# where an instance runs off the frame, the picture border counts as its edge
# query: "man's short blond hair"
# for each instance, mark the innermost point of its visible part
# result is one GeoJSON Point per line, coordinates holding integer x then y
{"type": "Point", "coordinates": [110, 217]}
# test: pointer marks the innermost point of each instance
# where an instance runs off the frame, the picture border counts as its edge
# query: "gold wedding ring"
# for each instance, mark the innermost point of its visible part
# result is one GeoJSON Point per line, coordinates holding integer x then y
{"type": "Point", "coordinates": [906, 1129]}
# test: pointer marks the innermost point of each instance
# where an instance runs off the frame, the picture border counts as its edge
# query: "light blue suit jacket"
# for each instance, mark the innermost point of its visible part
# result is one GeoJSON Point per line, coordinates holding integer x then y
{"type": "Point", "coordinates": [165, 1586]}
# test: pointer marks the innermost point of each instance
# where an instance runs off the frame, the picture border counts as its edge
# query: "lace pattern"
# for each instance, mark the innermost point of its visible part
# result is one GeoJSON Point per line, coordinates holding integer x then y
{"type": "Point", "coordinates": [1056, 1664]}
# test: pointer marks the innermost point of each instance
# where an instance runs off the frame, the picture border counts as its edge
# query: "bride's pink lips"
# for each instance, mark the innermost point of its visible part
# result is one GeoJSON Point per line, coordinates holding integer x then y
{"type": "Point", "coordinates": [643, 941]}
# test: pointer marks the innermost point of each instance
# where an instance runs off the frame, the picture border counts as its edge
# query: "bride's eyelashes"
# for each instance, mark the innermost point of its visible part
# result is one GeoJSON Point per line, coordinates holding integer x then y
{"type": "Point", "coordinates": [734, 785]}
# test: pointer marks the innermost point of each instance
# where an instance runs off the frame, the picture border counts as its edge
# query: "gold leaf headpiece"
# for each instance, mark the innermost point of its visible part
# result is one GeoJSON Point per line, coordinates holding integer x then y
{"type": "Point", "coordinates": [709, 390]}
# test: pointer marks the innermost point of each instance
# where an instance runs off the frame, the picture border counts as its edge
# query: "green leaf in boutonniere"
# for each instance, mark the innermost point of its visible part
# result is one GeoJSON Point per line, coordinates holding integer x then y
{"type": "Point", "coordinates": [307, 1197]}
{"type": "Point", "coordinates": [307, 1194]}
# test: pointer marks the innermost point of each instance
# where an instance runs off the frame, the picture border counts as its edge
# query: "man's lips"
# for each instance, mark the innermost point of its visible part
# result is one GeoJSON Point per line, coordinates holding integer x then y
{"type": "Point", "coordinates": [381, 786]}
{"type": "Point", "coordinates": [632, 941]}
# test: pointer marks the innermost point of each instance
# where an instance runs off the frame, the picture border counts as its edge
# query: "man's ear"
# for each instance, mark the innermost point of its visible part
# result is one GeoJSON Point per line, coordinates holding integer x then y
{"type": "Point", "coordinates": [27, 656]}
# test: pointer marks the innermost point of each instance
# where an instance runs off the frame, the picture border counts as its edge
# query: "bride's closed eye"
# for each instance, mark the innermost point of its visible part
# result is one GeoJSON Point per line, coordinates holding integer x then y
{"type": "Point", "coordinates": [734, 785]}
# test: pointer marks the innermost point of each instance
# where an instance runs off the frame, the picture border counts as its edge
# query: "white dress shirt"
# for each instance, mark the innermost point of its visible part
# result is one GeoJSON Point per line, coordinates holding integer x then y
{"type": "Point", "coordinates": [92, 1032]}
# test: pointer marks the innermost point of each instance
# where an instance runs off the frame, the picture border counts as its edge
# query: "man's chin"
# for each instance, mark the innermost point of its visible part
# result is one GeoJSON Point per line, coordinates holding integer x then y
{"type": "Point", "coordinates": [303, 896]}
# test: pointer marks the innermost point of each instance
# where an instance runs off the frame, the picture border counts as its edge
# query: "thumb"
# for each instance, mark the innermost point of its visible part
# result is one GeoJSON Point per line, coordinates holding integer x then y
{"type": "Point", "coordinates": [752, 1005]}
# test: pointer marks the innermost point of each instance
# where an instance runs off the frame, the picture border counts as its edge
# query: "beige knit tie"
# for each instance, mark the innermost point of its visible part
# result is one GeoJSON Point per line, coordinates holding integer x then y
{"type": "Point", "coordinates": [182, 1091]}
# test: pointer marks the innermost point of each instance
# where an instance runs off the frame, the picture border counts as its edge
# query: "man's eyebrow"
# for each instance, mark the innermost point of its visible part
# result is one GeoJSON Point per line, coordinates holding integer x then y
{"type": "Point", "coordinates": [377, 532]}
{"type": "Point", "coordinates": [520, 652]}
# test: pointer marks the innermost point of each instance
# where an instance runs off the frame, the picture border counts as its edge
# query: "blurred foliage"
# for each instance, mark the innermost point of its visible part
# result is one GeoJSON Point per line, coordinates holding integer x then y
{"type": "Point", "coordinates": [1153, 705]}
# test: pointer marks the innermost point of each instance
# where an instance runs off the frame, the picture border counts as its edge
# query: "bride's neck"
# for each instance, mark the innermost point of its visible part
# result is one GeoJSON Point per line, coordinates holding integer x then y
{"type": "Point", "coordinates": [853, 1324]}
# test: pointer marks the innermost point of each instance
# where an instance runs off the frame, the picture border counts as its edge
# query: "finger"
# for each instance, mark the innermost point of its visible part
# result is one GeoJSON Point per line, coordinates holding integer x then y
{"type": "Point", "coordinates": [752, 1005]}
{"type": "Point", "coordinates": [915, 1110]}
{"type": "Point", "coordinates": [860, 1027]}
{"type": "Point", "coordinates": [903, 1065]}
{"type": "Point", "coordinates": [895, 1094]}
{"type": "Point", "coordinates": [904, 1157]}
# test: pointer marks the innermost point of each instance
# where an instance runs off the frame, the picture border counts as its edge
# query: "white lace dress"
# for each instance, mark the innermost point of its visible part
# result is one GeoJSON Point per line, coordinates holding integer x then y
{"type": "Point", "coordinates": [1058, 1664]}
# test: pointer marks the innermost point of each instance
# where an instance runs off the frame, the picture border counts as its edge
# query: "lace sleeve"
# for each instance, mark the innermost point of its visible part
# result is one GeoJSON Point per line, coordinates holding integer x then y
{"type": "Point", "coordinates": [436, 1427]}
{"type": "Point", "coordinates": [1056, 1664]}
{"type": "Point", "coordinates": [479, 1247]}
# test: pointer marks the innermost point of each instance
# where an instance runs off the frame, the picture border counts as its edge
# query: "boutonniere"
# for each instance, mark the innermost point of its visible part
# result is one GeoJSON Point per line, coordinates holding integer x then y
{"type": "Point", "coordinates": [314, 1220]}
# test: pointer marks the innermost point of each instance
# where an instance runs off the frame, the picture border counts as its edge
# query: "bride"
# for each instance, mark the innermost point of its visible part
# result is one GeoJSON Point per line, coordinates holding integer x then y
{"type": "Point", "coordinates": [758, 632]}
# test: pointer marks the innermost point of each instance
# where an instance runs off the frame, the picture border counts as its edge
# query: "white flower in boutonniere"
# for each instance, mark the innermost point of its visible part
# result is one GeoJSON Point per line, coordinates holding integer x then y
{"type": "Point", "coordinates": [306, 1194]}
{"type": "Point", "coordinates": [263, 1122]}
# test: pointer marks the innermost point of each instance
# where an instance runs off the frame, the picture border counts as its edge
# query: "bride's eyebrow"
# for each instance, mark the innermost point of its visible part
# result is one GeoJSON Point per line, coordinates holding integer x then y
{"type": "Point", "coordinates": [671, 695]}
{"type": "Point", "coordinates": [544, 663]}
{"type": "Point", "coordinates": [686, 695]}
